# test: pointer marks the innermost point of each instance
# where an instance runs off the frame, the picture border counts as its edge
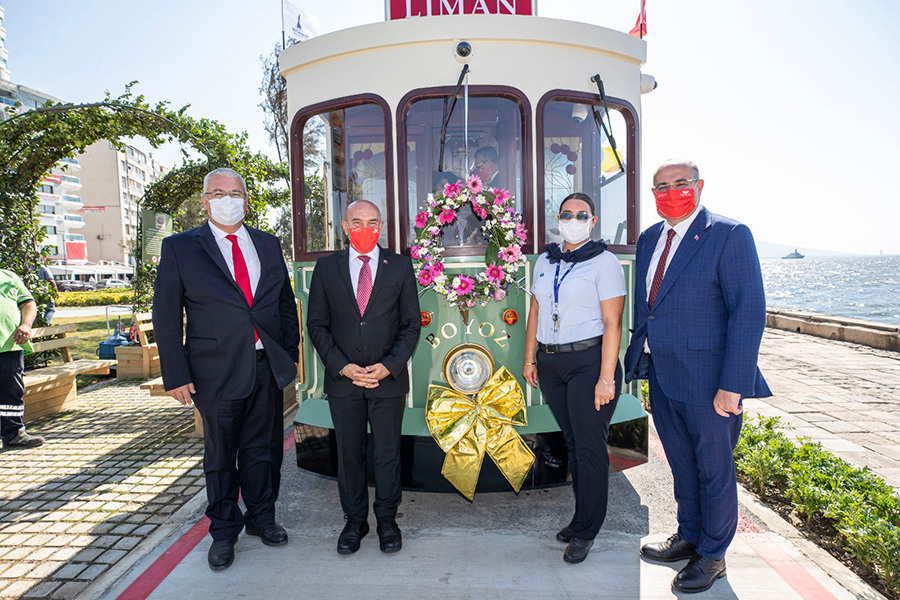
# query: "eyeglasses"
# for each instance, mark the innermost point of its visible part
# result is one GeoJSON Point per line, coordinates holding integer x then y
{"type": "Point", "coordinates": [219, 194]}
{"type": "Point", "coordinates": [678, 184]}
{"type": "Point", "coordinates": [568, 215]}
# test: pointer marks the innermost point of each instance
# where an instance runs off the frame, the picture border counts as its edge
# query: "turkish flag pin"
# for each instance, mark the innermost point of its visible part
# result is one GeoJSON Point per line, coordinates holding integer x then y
{"type": "Point", "coordinates": [696, 237]}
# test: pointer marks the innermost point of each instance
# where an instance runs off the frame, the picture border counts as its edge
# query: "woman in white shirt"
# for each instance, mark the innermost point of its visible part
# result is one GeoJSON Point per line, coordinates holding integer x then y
{"type": "Point", "coordinates": [572, 348]}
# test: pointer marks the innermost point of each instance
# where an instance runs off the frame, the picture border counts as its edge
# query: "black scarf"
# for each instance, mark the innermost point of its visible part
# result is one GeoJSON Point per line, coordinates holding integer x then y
{"type": "Point", "coordinates": [581, 254]}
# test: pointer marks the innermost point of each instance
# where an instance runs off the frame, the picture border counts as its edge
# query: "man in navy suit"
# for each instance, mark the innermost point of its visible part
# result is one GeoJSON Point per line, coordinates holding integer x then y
{"type": "Point", "coordinates": [236, 352]}
{"type": "Point", "coordinates": [364, 322]}
{"type": "Point", "coordinates": [700, 312]}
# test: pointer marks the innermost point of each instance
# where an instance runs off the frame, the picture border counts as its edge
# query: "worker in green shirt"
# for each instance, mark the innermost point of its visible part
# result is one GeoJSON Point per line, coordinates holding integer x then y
{"type": "Point", "coordinates": [17, 312]}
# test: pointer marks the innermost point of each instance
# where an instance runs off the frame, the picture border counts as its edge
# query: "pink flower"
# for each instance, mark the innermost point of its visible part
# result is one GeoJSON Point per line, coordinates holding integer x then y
{"type": "Point", "coordinates": [499, 295]}
{"type": "Point", "coordinates": [462, 284]}
{"type": "Point", "coordinates": [437, 268]}
{"type": "Point", "coordinates": [415, 252]}
{"type": "Point", "coordinates": [510, 253]}
{"type": "Point", "coordinates": [452, 190]}
{"type": "Point", "coordinates": [471, 303]}
{"type": "Point", "coordinates": [521, 232]}
{"type": "Point", "coordinates": [494, 273]}
{"type": "Point", "coordinates": [500, 195]}
{"type": "Point", "coordinates": [426, 277]}
{"type": "Point", "coordinates": [447, 216]}
{"type": "Point", "coordinates": [421, 219]}
{"type": "Point", "coordinates": [479, 210]}
{"type": "Point", "coordinates": [474, 184]}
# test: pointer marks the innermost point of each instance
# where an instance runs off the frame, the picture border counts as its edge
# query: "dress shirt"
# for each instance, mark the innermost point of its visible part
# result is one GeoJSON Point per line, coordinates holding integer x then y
{"type": "Point", "coordinates": [356, 265]}
{"type": "Point", "coordinates": [680, 231]}
{"type": "Point", "coordinates": [580, 293]}
{"type": "Point", "coordinates": [247, 249]}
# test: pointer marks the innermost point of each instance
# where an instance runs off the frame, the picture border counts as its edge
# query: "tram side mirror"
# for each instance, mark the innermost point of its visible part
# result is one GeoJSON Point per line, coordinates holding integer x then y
{"type": "Point", "coordinates": [463, 51]}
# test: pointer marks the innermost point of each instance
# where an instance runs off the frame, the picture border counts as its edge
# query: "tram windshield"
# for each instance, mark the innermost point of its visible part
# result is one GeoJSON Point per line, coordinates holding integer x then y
{"type": "Point", "coordinates": [343, 161]}
{"type": "Point", "coordinates": [577, 157]}
{"type": "Point", "coordinates": [486, 141]}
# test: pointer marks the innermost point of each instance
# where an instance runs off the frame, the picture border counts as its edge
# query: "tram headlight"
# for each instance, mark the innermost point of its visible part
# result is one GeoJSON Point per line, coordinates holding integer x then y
{"type": "Point", "coordinates": [468, 367]}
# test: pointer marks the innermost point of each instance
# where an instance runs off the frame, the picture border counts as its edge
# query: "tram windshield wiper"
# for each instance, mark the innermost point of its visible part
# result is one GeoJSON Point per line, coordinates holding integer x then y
{"type": "Point", "coordinates": [601, 126]}
{"type": "Point", "coordinates": [448, 113]}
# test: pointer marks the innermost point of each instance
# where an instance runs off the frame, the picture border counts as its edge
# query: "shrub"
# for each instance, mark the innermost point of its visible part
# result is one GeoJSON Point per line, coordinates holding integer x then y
{"type": "Point", "coordinates": [96, 298]}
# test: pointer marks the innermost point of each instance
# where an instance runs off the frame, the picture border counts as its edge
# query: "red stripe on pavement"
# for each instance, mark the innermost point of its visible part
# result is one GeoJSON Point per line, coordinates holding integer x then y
{"type": "Point", "coordinates": [149, 580]}
{"type": "Point", "coordinates": [789, 569]}
{"type": "Point", "coordinates": [800, 580]}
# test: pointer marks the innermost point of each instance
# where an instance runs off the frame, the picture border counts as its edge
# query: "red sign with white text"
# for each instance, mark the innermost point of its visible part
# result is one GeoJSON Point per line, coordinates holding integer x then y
{"type": "Point", "coordinates": [405, 9]}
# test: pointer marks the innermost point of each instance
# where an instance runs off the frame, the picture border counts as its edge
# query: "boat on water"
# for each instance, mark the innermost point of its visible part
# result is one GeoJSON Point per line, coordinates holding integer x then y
{"type": "Point", "coordinates": [794, 254]}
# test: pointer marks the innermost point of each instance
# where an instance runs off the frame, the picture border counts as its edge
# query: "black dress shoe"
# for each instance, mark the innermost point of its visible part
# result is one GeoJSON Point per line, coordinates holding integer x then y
{"type": "Point", "coordinates": [271, 535]}
{"type": "Point", "coordinates": [389, 538]}
{"type": "Point", "coordinates": [698, 575]}
{"type": "Point", "coordinates": [352, 534]}
{"type": "Point", "coordinates": [221, 554]}
{"type": "Point", "coordinates": [671, 550]}
{"type": "Point", "coordinates": [577, 550]}
{"type": "Point", "coordinates": [565, 534]}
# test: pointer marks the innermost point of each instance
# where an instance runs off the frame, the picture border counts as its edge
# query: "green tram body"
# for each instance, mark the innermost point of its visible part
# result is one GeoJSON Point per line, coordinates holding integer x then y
{"type": "Point", "coordinates": [428, 45]}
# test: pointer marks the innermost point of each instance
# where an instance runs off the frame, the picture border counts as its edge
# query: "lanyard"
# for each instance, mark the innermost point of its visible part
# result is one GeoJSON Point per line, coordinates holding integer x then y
{"type": "Point", "coordinates": [557, 282]}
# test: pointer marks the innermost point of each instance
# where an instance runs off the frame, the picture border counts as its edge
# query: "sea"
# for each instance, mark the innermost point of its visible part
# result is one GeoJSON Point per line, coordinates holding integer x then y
{"type": "Point", "coordinates": [860, 287]}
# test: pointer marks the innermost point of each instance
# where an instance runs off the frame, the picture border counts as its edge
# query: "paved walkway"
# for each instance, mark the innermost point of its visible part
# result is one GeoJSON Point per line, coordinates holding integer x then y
{"type": "Point", "coordinates": [844, 395]}
{"type": "Point", "coordinates": [117, 469]}
{"type": "Point", "coordinates": [111, 472]}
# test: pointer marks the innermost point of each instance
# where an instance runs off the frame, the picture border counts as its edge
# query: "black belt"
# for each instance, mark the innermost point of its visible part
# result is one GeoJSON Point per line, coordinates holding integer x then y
{"type": "Point", "coordinates": [573, 347]}
{"type": "Point", "coordinates": [261, 354]}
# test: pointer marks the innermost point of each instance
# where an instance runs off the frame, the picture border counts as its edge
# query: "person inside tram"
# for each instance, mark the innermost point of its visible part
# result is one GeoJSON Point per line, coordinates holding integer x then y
{"type": "Point", "coordinates": [486, 167]}
{"type": "Point", "coordinates": [572, 352]}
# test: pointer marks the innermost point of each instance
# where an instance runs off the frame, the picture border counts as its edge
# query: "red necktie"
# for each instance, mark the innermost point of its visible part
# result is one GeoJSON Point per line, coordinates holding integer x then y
{"type": "Point", "coordinates": [660, 269]}
{"type": "Point", "coordinates": [241, 274]}
{"type": "Point", "coordinates": [364, 284]}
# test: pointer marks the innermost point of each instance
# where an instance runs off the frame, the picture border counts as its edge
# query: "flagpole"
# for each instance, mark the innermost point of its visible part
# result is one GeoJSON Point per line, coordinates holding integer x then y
{"type": "Point", "coordinates": [283, 41]}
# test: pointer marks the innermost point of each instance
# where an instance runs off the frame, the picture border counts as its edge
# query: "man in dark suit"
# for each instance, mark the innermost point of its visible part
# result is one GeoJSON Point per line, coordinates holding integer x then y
{"type": "Point", "coordinates": [364, 322]}
{"type": "Point", "coordinates": [700, 312]}
{"type": "Point", "coordinates": [236, 353]}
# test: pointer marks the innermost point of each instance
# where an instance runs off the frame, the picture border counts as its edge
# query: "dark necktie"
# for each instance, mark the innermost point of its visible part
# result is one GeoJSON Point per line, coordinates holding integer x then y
{"type": "Point", "coordinates": [241, 274]}
{"type": "Point", "coordinates": [660, 268]}
{"type": "Point", "coordinates": [364, 284]}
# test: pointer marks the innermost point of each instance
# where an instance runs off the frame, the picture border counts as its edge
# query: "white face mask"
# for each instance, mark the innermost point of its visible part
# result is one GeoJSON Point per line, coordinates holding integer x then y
{"type": "Point", "coordinates": [226, 210]}
{"type": "Point", "coordinates": [575, 231]}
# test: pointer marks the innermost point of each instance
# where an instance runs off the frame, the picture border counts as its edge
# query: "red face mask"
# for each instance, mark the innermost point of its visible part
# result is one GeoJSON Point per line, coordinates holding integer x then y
{"type": "Point", "coordinates": [363, 239]}
{"type": "Point", "coordinates": [675, 205]}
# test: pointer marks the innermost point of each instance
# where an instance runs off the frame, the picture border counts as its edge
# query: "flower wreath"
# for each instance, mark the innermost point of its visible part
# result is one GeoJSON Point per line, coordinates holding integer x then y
{"type": "Point", "coordinates": [504, 231]}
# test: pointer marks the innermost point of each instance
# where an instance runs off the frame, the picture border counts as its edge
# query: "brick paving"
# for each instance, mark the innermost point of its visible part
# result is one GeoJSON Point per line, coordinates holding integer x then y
{"type": "Point", "coordinates": [112, 470]}
{"type": "Point", "coordinates": [844, 395]}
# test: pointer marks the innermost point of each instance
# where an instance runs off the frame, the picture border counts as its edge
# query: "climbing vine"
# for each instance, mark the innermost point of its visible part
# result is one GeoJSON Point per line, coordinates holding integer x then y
{"type": "Point", "coordinates": [32, 142]}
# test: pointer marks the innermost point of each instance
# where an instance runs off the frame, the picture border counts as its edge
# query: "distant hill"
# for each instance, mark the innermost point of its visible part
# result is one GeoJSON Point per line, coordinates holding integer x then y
{"type": "Point", "coordinates": [775, 250]}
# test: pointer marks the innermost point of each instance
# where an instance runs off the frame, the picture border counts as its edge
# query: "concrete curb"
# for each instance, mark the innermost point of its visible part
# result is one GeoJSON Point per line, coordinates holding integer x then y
{"type": "Point", "coordinates": [884, 336]}
{"type": "Point", "coordinates": [825, 561]}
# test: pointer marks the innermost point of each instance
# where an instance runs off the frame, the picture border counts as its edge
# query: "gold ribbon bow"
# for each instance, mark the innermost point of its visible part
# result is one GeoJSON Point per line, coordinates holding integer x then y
{"type": "Point", "coordinates": [466, 428]}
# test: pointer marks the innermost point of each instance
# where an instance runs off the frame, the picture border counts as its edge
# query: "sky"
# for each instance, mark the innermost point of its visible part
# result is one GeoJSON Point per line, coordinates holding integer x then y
{"type": "Point", "coordinates": [788, 108]}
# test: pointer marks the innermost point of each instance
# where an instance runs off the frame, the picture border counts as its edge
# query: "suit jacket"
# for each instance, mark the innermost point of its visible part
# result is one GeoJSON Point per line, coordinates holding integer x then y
{"type": "Point", "coordinates": [707, 321]}
{"type": "Point", "coordinates": [386, 333]}
{"type": "Point", "coordinates": [217, 353]}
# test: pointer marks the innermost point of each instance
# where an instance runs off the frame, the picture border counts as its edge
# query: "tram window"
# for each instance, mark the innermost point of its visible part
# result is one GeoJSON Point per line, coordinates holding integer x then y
{"type": "Point", "coordinates": [492, 149]}
{"type": "Point", "coordinates": [578, 158]}
{"type": "Point", "coordinates": [343, 161]}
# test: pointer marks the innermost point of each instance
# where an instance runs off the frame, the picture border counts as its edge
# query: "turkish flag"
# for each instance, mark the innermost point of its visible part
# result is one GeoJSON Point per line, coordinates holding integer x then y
{"type": "Point", "coordinates": [640, 26]}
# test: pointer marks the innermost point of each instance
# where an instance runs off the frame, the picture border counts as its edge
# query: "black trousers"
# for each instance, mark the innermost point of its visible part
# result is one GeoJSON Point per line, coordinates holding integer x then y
{"type": "Point", "coordinates": [243, 454]}
{"type": "Point", "coordinates": [12, 392]}
{"type": "Point", "coordinates": [385, 417]}
{"type": "Point", "coordinates": [567, 382]}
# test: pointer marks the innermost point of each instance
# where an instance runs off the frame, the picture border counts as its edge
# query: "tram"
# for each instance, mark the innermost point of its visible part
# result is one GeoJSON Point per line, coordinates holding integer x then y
{"type": "Point", "coordinates": [390, 111]}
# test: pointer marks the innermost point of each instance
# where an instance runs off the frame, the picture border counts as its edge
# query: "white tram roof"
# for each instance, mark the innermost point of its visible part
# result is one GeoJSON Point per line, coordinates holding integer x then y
{"type": "Point", "coordinates": [532, 54]}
